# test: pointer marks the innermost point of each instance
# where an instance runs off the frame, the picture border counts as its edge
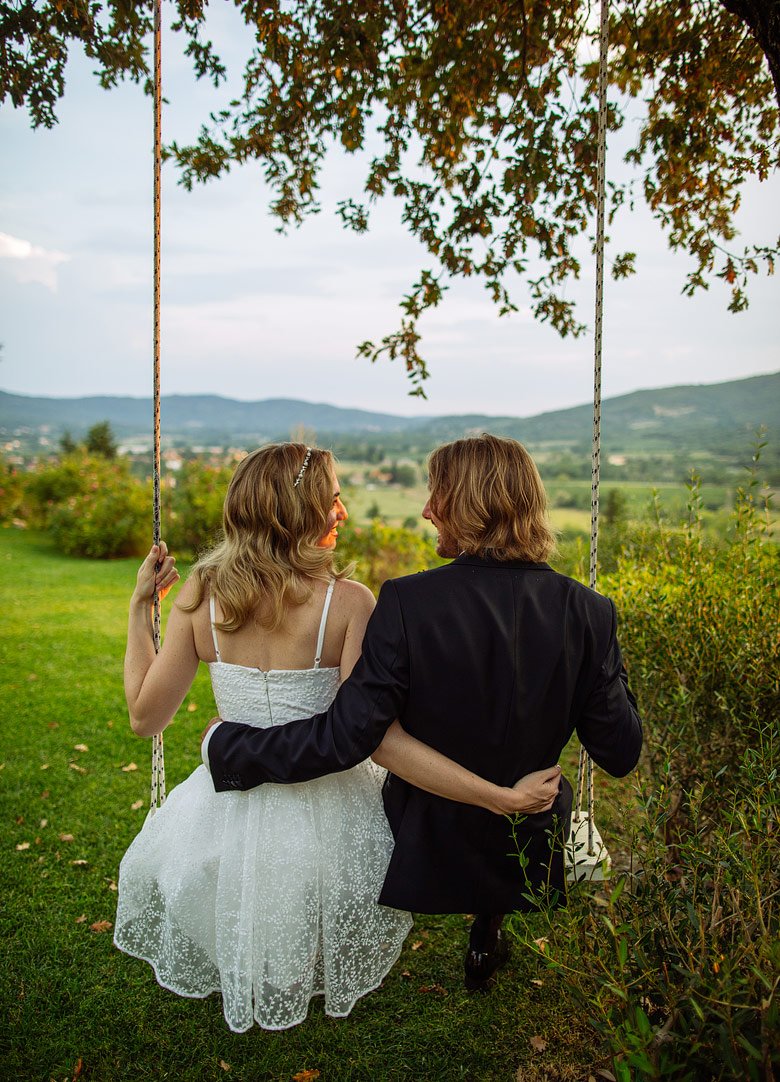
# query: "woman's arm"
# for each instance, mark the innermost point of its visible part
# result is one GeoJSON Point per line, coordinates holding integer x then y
{"type": "Point", "coordinates": [155, 685]}
{"type": "Point", "coordinates": [428, 769]}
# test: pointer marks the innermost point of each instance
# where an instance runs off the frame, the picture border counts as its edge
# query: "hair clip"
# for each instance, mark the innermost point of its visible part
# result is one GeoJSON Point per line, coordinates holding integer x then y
{"type": "Point", "coordinates": [299, 478]}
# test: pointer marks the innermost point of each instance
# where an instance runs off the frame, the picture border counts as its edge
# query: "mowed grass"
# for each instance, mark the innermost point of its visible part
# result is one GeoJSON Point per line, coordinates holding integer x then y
{"type": "Point", "coordinates": [73, 1006]}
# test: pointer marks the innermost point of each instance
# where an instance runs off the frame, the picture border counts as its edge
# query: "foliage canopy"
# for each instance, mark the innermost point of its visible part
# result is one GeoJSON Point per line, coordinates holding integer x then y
{"type": "Point", "coordinates": [480, 116]}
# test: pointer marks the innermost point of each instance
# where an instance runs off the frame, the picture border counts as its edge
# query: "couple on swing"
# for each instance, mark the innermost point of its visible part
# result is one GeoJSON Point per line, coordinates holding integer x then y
{"type": "Point", "coordinates": [367, 757]}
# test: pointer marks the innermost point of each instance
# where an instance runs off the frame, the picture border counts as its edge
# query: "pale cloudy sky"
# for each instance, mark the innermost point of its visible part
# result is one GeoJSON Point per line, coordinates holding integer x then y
{"type": "Point", "coordinates": [251, 314]}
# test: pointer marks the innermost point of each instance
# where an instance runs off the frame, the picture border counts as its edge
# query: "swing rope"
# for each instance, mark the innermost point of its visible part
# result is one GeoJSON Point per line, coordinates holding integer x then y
{"type": "Point", "coordinates": [157, 796]}
{"type": "Point", "coordinates": [585, 764]}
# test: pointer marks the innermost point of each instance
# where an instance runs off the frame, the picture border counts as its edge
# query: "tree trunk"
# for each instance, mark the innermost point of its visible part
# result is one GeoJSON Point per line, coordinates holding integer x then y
{"type": "Point", "coordinates": [763, 18]}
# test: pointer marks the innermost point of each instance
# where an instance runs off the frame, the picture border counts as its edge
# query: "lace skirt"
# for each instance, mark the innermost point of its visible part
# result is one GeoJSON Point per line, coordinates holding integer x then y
{"type": "Point", "coordinates": [268, 896]}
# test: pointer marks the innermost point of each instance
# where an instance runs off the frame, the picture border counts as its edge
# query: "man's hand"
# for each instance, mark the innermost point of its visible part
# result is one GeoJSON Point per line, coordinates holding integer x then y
{"type": "Point", "coordinates": [209, 727]}
{"type": "Point", "coordinates": [536, 792]}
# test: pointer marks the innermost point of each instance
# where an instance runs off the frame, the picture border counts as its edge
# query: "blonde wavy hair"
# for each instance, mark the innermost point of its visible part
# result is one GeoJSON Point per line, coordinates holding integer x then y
{"type": "Point", "coordinates": [268, 558]}
{"type": "Point", "coordinates": [488, 496]}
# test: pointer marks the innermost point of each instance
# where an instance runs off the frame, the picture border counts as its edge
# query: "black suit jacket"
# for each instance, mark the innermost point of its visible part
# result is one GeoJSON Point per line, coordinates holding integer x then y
{"type": "Point", "coordinates": [495, 664]}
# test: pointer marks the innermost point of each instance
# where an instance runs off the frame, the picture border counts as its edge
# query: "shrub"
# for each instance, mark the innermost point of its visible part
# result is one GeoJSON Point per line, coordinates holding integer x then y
{"type": "Point", "coordinates": [385, 552]}
{"type": "Point", "coordinates": [93, 506]}
{"type": "Point", "coordinates": [11, 493]}
{"type": "Point", "coordinates": [677, 968]}
{"type": "Point", "coordinates": [194, 520]}
{"type": "Point", "coordinates": [699, 629]}
{"type": "Point", "coordinates": [55, 482]}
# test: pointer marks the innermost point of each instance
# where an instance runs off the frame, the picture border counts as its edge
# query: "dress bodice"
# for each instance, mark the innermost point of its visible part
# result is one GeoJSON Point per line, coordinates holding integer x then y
{"type": "Point", "coordinates": [264, 698]}
{"type": "Point", "coordinates": [271, 698]}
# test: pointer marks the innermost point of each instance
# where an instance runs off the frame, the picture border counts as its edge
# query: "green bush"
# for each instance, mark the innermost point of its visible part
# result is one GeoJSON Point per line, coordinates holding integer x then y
{"type": "Point", "coordinates": [194, 518]}
{"type": "Point", "coordinates": [699, 630]}
{"type": "Point", "coordinates": [385, 552]}
{"type": "Point", "coordinates": [679, 967]}
{"type": "Point", "coordinates": [54, 482]}
{"type": "Point", "coordinates": [11, 493]}
{"type": "Point", "coordinates": [91, 505]}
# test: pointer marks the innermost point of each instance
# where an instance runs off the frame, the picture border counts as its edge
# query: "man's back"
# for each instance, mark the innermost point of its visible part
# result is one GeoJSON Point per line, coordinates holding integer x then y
{"type": "Point", "coordinates": [506, 659]}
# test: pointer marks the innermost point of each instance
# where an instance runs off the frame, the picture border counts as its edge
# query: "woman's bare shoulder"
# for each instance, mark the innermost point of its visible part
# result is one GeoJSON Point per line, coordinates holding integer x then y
{"type": "Point", "coordinates": [355, 598]}
{"type": "Point", "coordinates": [188, 595]}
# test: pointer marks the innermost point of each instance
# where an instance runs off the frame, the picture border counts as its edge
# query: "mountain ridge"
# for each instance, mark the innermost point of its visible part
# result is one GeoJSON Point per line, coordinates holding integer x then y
{"type": "Point", "coordinates": [708, 416]}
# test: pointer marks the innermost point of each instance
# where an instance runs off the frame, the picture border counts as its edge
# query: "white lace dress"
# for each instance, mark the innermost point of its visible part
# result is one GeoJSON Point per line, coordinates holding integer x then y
{"type": "Point", "coordinates": [268, 896]}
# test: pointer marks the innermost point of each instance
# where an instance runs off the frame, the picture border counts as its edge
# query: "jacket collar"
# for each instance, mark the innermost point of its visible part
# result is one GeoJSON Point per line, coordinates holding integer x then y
{"type": "Point", "coordinates": [490, 561]}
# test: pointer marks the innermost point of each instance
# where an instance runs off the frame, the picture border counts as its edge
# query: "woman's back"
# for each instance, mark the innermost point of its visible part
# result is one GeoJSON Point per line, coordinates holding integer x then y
{"type": "Point", "coordinates": [292, 645]}
{"type": "Point", "coordinates": [282, 692]}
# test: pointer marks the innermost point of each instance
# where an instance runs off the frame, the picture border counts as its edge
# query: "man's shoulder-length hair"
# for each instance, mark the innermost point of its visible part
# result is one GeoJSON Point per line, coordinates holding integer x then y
{"type": "Point", "coordinates": [487, 494]}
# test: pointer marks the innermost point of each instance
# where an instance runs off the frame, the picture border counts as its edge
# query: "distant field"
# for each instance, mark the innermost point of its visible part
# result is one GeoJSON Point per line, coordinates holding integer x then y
{"type": "Point", "coordinates": [569, 501]}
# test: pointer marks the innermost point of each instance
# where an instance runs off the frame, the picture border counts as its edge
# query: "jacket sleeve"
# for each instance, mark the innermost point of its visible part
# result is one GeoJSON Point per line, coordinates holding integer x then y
{"type": "Point", "coordinates": [609, 727]}
{"type": "Point", "coordinates": [242, 756]}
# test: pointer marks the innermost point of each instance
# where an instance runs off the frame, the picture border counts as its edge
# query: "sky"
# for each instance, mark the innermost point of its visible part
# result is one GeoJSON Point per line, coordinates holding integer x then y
{"type": "Point", "coordinates": [251, 314]}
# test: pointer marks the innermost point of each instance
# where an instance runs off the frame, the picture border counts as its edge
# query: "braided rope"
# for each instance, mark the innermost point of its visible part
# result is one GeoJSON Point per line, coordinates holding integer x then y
{"type": "Point", "coordinates": [157, 795]}
{"type": "Point", "coordinates": [585, 764]}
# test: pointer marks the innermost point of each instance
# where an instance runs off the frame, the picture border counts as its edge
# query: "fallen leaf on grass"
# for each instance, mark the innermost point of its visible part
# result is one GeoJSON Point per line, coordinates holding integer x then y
{"type": "Point", "coordinates": [306, 1076]}
{"type": "Point", "coordinates": [437, 988]}
{"type": "Point", "coordinates": [54, 725]}
{"type": "Point", "coordinates": [2, 766]}
{"type": "Point", "coordinates": [101, 926]}
{"type": "Point", "coordinates": [605, 1074]}
{"type": "Point", "coordinates": [191, 708]}
{"type": "Point", "coordinates": [45, 794]}
{"type": "Point", "coordinates": [129, 768]}
{"type": "Point", "coordinates": [537, 983]}
{"type": "Point", "coordinates": [542, 943]}
{"type": "Point", "coordinates": [19, 820]}
{"type": "Point", "coordinates": [21, 846]}
{"type": "Point", "coordinates": [109, 725]}
{"type": "Point", "coordinates": [44, 823]}
{"type": "Point", "coordinates": [80, 747]}
{"type": "Point", "coordinates": [78, 1069]}
{"type": "Point", "coordinates": [136, 805]}
{"type": "Point", "coordinates": [537, 1043]}
{"type": "Point", "coordinates": [81, 919]}
{"type": "Point", "coordinates": [80, 863]}
{"type": "Point", "coordinates": [44, 766]}
{"type": "Point", "coordinates": [76, 767]}
{"type": "Point", "coordinates": [66, 837]}
{"type": "Point", "coordinates": [405, 973]}
{"type": "Point", "coordinates": [224, 1066]}
{"type": "Point", "coordinates": [111, 883]}
{"type": "Point", "coordinates": [417, 944]}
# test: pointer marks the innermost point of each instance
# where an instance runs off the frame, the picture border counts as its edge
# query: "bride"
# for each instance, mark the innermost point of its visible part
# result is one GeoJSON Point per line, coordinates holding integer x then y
{"type": "Point", "coordinates": [269, 896]}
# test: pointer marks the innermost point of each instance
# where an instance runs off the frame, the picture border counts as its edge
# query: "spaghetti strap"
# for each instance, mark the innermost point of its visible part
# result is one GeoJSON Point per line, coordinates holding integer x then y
{"type": "Point", "coordinates": [213, 617]}
{"type": "Point", "coordinates": [323, 621]}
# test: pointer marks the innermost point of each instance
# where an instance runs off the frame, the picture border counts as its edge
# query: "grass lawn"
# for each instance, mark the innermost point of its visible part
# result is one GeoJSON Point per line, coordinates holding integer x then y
{"type": "Point", "coordinates": [74, 1006]}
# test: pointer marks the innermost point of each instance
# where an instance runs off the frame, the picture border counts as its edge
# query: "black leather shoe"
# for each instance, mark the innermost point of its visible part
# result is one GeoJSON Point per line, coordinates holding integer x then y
{"type": "Point", "coordinates": [481, 966]}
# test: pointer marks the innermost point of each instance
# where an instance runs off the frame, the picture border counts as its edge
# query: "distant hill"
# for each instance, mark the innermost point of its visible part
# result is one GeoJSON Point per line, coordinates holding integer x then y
{"type": "Point", "coordinates": [189, 415]}
{"type": "Point", "coordinates": [711, 417]}
{"type": "Point", "coordinates": [718, 418]}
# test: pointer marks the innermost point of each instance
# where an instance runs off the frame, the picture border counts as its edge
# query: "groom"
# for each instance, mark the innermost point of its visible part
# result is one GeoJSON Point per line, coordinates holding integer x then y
{"type": "Point", "coordinates": [493, 659]}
